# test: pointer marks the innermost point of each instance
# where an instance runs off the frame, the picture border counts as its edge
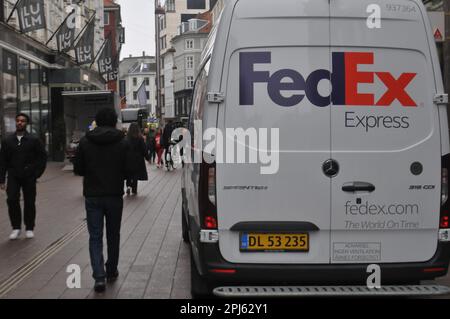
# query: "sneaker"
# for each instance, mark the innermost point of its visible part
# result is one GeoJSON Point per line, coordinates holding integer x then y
{"type": "Point", "coordinates": [15, 234]}
{"type": "Point", "coordinates": [100, 285]}
{"type": "Point", "coordinates": [112, 277]}
{"type": "Point", "coordinates": [29, 234]}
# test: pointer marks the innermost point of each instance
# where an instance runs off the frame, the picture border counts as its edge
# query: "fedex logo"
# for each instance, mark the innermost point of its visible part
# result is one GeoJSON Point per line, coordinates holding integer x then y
{"type": "Point", "coordinates": [344, 78]}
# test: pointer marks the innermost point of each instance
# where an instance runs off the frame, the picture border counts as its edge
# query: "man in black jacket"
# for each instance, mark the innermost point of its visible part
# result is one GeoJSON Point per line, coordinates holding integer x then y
{"type": "Point", "coordinates": [23, 159]}
{"type": "Point", "coordinates": [102, 160]}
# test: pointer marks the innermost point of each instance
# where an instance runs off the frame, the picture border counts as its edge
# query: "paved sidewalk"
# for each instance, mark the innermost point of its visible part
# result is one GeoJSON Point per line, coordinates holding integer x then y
{"type": "Point", "coordinates": [154, 262]}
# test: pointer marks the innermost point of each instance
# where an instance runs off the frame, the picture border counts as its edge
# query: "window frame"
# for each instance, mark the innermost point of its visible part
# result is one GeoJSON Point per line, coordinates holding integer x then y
{"type": "Point", "coordinates": [190, 82]}
{"type": "Point", "coordinates": [106, 19]}
{"type": "Point", "coordinates": [189, 62]}
{"type": "Point", "coordinates": [188, 47]}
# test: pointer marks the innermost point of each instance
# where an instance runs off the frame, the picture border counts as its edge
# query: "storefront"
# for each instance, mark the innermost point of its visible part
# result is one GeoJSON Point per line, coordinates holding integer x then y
{"type": "Point", "coordinates": [24, 90]}
{"type": "Point", "coordinates": [32, 78]}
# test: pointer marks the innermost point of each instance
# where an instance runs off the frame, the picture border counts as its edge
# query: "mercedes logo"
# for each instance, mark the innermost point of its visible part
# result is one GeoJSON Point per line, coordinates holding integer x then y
{"type": "Point", "coordinates": [330, 168]}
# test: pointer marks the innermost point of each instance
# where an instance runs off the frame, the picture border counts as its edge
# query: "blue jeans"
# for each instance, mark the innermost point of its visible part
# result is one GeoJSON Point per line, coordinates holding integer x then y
{"type": "Point", "coordinates": [97, 210]}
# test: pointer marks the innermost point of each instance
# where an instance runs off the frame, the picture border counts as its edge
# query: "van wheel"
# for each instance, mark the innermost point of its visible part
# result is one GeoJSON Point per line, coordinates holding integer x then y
{"type": "Point", "coordinates": [199, 286]}
{"type": "Point", "coordinates": [184, 226]}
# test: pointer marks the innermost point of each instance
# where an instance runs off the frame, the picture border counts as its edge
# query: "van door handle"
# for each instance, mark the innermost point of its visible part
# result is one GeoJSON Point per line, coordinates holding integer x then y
{"type": "Point", "coordinates": [353, 187]}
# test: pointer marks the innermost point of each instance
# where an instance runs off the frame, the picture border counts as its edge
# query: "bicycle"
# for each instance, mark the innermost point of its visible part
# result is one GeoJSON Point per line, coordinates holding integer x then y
{"type": "Point", "coordinates": [173, 156]}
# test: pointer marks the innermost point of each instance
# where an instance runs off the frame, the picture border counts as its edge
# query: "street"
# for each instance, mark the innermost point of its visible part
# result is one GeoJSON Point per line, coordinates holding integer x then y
{"type": "Point", "coordinates": [154, 262]}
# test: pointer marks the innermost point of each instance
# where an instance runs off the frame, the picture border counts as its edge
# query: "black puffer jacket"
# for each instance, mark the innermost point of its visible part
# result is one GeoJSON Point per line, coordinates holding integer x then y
{"type": "Point", "coordinates": [102, 159]}
{"type": "Point", "coordinates": [25, 160]}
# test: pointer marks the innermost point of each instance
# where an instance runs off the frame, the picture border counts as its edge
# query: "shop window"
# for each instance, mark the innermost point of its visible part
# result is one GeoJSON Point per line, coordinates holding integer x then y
{"type": "Point", "coordinates": [24, 88]}
{"type": "Point", "coordinates": [45, 110]}
{"type": "Point", "coordinates": [35, 99]}
{"type": "Point", "coordinates": [9, 91]}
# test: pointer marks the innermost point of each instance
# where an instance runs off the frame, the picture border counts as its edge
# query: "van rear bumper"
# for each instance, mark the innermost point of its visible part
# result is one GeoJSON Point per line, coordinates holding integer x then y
{"type": "Point", "coordinates": [218, 271]}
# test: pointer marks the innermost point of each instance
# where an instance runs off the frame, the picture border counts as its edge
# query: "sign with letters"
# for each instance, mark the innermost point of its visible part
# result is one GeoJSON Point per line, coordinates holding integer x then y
{"type": "Point", "coordinates": [66, 34]}
{"type": "Point", "coordinates": [31, 15]}
{"type": "Point", "coordinates": [84, 49]}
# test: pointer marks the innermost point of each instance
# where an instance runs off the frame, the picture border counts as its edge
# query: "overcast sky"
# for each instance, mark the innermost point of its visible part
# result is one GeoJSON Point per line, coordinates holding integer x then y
{"type": "Point", "coordinates": [139, 23]}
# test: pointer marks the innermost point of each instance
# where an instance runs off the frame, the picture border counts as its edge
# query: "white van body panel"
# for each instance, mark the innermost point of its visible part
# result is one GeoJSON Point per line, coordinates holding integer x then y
{"type": "Point", "coordinates": [302, 35]}
{"type": "Point", "coordinates": [285, 199]}
{"type": "Point", "coordinates": [406, 229]}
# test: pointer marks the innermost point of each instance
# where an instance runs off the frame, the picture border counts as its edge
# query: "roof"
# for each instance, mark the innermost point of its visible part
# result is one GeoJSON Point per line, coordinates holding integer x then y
{"type": "Point", "coordinates": [207, 16]}
{"type": "Point", "coordinates": [142, 67]}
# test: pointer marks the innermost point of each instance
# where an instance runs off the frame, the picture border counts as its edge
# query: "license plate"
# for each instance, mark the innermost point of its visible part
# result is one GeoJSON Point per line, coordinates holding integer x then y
{"type": "Point", "coordinates": [264, 242]}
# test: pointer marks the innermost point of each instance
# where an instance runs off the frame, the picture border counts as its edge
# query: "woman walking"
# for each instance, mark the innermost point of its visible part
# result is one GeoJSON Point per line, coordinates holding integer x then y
{"type": "Point", "coordinates": [151, 145]}
{"type": "Point", "coordinates": [159, 148]}
{"type": "Point", "coordinates": [138, 154]}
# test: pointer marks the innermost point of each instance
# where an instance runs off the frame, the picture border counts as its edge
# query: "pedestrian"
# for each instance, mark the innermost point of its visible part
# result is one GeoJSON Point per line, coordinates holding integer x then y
{"type": "Point", "coordinates": [23, 159]}
{"type": "Point", "coordinates": [158, 147]}
{"type": "Point", "coordinates": [102, 160]}
{"type": "Point", "coordinates": [145, 133]}
{"type": "Point", "coordinates": [137, 156]}
{"type": "Point", "coordinates": [151, 145]}
{"type": "Point", "coordinates": [166, 142]}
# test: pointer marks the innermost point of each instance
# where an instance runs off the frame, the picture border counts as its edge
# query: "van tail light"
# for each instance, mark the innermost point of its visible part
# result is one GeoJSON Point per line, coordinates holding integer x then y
{"type": "Point", "coordinates": [207, 195]}
{"type": "Point", "coordinates": [444, 185]}
{"type": "Point", "coordinates": [444, 220]}
{"type": "Point", "coordinates": [212, 185]}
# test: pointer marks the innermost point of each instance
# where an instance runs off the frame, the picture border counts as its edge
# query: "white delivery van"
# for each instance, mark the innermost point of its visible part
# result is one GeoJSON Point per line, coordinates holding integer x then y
{"type": "Point", "coordinates": [350, 94]}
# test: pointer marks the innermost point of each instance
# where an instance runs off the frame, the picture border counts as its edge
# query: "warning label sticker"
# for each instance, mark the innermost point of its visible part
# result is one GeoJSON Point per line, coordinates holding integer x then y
{"type": "Point", "coordinates": [354, 252]}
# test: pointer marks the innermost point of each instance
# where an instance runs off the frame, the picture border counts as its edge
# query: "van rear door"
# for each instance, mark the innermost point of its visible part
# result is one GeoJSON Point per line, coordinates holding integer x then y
{"type": "Point", "coordinates": [384, 134]}
{"type": "Point", "coordinates": [269, 48]}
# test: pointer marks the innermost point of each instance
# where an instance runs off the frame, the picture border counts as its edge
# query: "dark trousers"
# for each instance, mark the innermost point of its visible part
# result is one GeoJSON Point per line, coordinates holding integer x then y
{"type": "Point", "coordinates": [28, 186]}
{"type": "Point", "coordinates": [152, 154]}
{"type": "Point", "coordinates": [133, 183]}
{"type": "Point", "coordinates": [99, 209]}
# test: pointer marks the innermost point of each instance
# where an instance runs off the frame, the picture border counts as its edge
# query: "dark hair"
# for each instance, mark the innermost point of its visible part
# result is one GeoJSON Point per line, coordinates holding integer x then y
{"type": "Point", "coordinates": [25, 116]}
{"type": "Point", "coordinates": [106, 117]}
{"type": "Point", "coordinates": [134, 131]}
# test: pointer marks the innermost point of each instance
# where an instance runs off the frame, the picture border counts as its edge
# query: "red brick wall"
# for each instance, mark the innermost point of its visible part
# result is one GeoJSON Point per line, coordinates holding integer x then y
{"type": "Point", "coordinates": [111, 29]}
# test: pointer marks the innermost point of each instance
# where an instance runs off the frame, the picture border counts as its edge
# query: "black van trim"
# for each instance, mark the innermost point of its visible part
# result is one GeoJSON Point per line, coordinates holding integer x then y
{"type": "Point", "coordinates": [317, 274]}
{"type": "Point", "coordinates": [275, 226]}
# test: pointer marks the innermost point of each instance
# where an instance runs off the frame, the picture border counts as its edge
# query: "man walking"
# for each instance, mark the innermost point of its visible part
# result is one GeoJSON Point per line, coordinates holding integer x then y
{"type": "Point", "coordinates": [101, 159]}
{"type": "Point", "coordinates": [23, 159]}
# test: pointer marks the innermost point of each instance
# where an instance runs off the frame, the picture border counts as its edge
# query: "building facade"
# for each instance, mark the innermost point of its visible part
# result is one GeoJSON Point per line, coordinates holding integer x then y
{"type": "Point", "coordinates": [169, 17]}
{"type": "Point", "coordinates": [133, 71]}
{"type": "Point", "coordinates": [33, 74]}
{"type": "Point", "coordinates": [114, 30]}
{"type": "Point", "coordinates": [188, 46]}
